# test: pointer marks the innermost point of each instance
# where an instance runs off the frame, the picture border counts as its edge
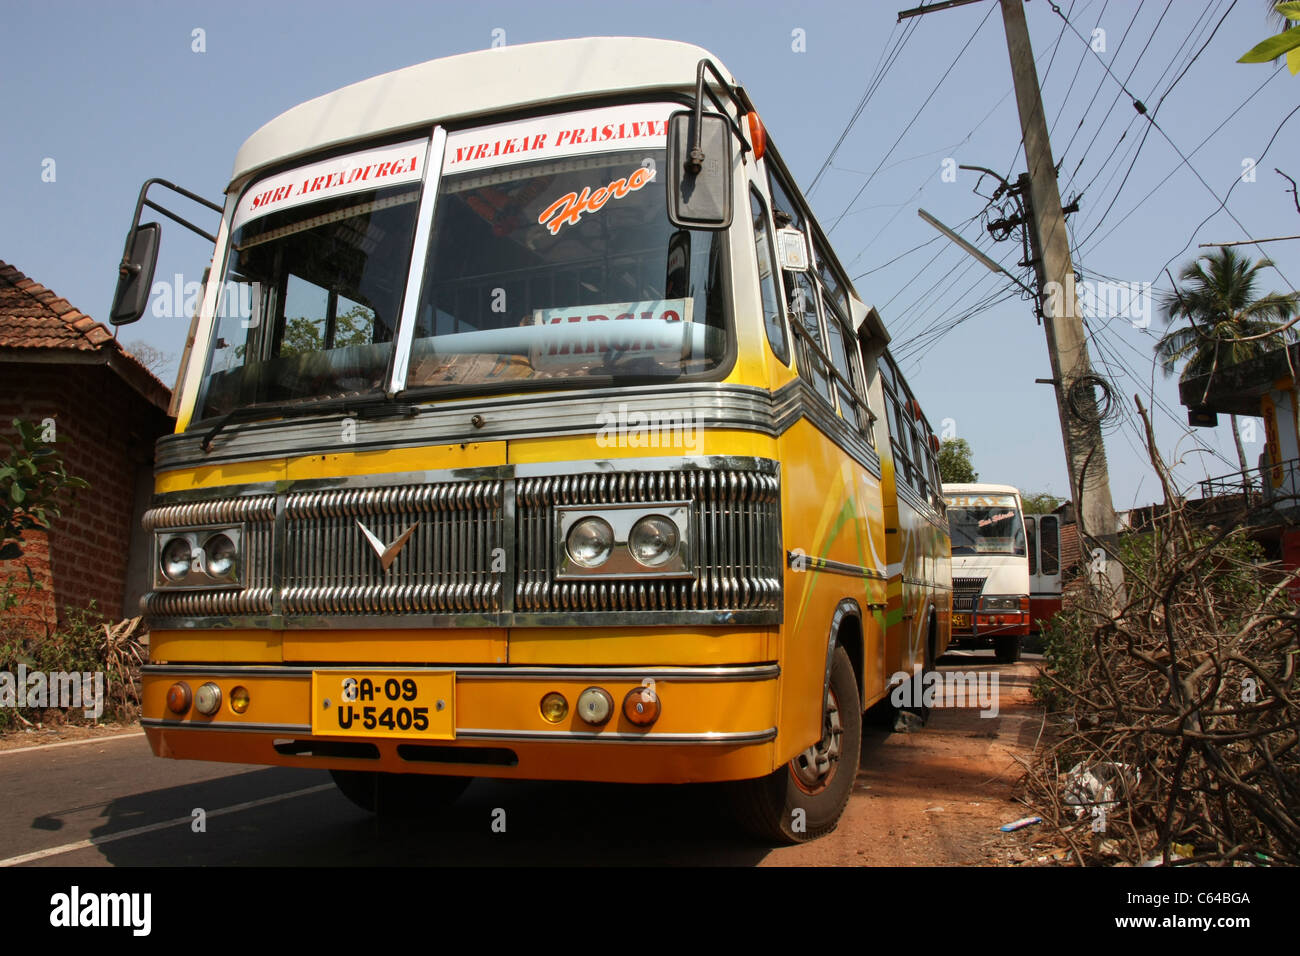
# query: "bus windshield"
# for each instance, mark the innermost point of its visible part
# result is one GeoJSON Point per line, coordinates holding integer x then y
{"type": "Point", "coordinates": [313, 286]}
{"type": "Point", "coordinates": [563, 264]}
{"type": "Point", "coordinates": [986, 524]}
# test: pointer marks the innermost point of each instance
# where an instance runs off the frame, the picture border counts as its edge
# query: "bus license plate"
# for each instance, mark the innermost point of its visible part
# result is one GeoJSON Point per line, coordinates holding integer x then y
{"type": "Point", "coordinates": [383, 704]}
{"type": "Point", "coordinates": [961, 620]}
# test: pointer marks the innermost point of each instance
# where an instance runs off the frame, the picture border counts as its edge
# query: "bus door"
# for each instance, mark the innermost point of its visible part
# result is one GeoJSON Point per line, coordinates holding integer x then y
{"type": "Point", "coordinates": [1044, 532]}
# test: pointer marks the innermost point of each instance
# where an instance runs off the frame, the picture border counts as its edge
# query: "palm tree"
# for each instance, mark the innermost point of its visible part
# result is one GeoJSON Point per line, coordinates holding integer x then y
{"type": "Point", "coordinates": [1226, 322]}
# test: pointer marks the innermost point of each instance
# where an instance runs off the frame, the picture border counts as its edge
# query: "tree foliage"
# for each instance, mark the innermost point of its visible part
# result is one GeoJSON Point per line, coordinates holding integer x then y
{"type": "Point", "coordinates": [34, 487]}
{"type": "Point", "coordinates": [1286, 43]}
{"type": "Point", "coordinates": [955, 465]}
{"type": "Point", "coordinates": [1226, 321]}
{"type": "Point", "coordinates": [1040, 502]}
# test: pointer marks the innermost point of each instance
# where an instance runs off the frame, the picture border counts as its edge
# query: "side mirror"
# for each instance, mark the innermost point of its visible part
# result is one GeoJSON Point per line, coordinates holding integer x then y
{"type": "Point", "coordinates": [135, 278]}
{"type": "Point", "coordinates": [699, 171]}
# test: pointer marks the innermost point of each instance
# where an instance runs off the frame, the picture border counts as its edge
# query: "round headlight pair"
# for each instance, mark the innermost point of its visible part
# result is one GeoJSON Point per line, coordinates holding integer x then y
{"type": "Point", "coordinates": [653, 541]}
{"type": "Point", "coordinates": [219, 555]}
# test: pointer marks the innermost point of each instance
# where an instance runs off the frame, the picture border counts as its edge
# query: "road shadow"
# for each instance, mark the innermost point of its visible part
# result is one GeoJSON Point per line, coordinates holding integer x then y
{"type": "Point", "coordinates": [494, 823]}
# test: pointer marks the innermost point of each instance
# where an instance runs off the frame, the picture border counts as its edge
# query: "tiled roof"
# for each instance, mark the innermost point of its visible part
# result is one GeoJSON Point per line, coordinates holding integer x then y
{"type": "Point", "coordinates": [34, 317]}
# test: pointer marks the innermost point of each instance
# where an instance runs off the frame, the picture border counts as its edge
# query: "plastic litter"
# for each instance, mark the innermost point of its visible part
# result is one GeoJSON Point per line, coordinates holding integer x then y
{"type": "Point", "coordinates": [1020, 824]}
{"type": "Point", "coordinates": [1102, 785]}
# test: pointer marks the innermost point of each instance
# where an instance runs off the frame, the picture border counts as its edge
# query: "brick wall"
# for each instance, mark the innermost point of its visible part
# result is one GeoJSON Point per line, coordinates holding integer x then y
{"type": "Point", "coordinates": [106, 432]}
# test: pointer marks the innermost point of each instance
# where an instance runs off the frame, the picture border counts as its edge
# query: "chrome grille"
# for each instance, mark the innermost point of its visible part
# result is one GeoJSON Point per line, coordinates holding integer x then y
{"type": "Point", "coordinates": [445, 565]}
{"type": "Point", "coordinates": [966, 592]}
{"type": "Point", "coordinates": [737, 558]}
{"type": "Point", "coordinates": [481, 550]}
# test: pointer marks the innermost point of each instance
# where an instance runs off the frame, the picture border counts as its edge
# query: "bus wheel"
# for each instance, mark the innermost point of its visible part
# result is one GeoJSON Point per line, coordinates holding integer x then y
{"type": "Point", "coordinates": [1006, 647]}
{"type": "Point", "coordinates": [805, 798]}
{"type": "Point", "coordinates": [398, 794]}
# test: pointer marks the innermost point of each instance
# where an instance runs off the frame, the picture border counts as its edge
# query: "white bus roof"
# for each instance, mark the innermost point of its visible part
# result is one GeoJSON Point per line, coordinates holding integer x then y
{"type": "Point", "coordinates": [486, 81]}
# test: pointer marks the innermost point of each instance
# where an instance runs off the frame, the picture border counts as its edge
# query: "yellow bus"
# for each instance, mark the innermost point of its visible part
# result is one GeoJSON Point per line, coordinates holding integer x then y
{"type": "Point", "coordinates": [529, 427]}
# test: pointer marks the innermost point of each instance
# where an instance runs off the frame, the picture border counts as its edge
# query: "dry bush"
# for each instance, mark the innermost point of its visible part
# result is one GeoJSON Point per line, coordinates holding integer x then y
{"type": "Point", "coordinates": [1184, 702]}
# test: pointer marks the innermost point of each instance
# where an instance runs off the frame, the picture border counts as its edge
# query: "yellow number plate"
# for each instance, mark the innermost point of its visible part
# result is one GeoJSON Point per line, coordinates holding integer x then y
{"type": "Point", "coordinates": [961, 620]}
{"type": "Point", "coordinates": [384, 704]}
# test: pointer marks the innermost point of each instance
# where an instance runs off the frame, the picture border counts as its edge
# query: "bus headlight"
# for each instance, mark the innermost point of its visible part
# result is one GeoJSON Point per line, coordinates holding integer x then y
{"type": "Point", "coordinates": [653, 540]}
{"type": "Point", "coordinates": [176, 556]}
{"type": "Point", "coordinates": [590, 542]}
{"type": "Point", "coordinates": [636, 540]}
{"type": "Point", "coordinates": [1002, 603]}
{"type": "Point", "coordinates": [207, 699]}
{"type": "Point", "coordinates": [219, 554]}
{"type": "Point", "coordinates": [199, 558]}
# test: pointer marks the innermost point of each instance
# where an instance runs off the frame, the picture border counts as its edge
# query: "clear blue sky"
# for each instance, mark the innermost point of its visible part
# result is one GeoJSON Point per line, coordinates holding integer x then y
{"type": "Point", "coordinates": [115, 94]}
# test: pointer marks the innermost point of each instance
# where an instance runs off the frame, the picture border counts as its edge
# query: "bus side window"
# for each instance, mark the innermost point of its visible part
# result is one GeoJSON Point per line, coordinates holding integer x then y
{"type": "Point", "coordinates": [898, 440]}
{"type": "Point", "coordinates": [803, 311]}
{"type": "Point", "coordinates": [1050, 539]}
{"type": "Point", "coordinates": [773, 320]}
{"type": "Point", "coordinates": [1031, 538]}
{"type": "Point", "coordinates": [849, 401]}
{"type": "Point", "coordinates": [781, 201]}
{"type": "Point", "coordinates": [866, 364]}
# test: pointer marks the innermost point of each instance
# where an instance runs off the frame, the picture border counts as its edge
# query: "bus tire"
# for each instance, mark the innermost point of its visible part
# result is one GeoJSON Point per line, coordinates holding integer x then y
{"type": "Point", "coordinates": [1006, 648]}
{"type": "Point", "coordinates": [798, 803]}
{"type": "Point", "coordinates": [398, 794]}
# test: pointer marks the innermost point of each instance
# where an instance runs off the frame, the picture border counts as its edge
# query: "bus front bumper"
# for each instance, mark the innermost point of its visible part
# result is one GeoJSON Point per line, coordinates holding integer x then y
{"type": "Point", "coordinates": [715, 723]}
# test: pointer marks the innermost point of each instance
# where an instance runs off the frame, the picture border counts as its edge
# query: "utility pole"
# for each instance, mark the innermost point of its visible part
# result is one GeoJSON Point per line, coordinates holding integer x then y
{"type": "Point", "coordinates": [1067, 344]}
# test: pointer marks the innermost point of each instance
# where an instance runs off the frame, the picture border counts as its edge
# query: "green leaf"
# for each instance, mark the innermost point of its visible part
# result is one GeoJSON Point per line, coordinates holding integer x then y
{"type": "Point", "coordinates": [1273, 47]}
{"type": "Point", "coordinates": [1289, 10]}
{"type": "Point", "coordinates": [16, 493]}
{"type": "Point", "coordinates": [1293, 61]}
{"type": "Point", "coordinates": [75, 482]}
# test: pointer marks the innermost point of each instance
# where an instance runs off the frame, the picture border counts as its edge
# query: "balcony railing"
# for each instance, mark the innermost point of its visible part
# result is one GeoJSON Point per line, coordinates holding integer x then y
{"type": "Point", "coordinates": [1257, 483]}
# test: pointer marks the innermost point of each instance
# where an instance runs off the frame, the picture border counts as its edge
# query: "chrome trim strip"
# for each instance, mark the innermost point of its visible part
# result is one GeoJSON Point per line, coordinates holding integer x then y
{"type": "Point", "coordinates": [543, 736]}
{"type": "Point", "coordinates": [797, 400]}
{"type": "Point", "coordinates": [449, 421]}
{"type": "Point", "coordinates": [764, 466]}
{"type": "Point", "coordinates": [833, 567]}
{"type": "Point", "coordinates": [846, 608]}
{"type": "Point", "coordinates": [713, 674]}
{"type": "Point", "coordinates": [419, 256]}
{"type": "Point", "coordinates": [226, 725]}
{"type": "Point", "coordinates": [756, 617]}
{"type": "Point", "coordinates": [927, 584]}
{"type": "Point", "coordinates": [528, 736]}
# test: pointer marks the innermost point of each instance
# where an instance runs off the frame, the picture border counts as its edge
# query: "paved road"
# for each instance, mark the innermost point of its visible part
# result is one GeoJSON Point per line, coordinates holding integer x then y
{"type": "Point", "coordinates": [944, 788]}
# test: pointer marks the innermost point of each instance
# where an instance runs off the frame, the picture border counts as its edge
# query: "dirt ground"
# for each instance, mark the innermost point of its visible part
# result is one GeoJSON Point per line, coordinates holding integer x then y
{"type": "Point", "coordinates": [44, 734]}
{"type": "Point", "coordinates": [937, 796]}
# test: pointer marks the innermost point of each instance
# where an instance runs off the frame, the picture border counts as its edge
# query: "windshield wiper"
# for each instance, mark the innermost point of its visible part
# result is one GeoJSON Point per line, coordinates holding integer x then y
{"type": "Point", "coordinates": [299, 411]}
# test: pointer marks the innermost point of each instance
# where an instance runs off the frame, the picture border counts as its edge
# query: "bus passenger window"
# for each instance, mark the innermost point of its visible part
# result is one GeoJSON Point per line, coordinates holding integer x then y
{"type": "Point", "coordinates": [803, 310]}
{"type": "Point", "coordinates": [840, 358]}
{"type": "Point", "coordinates": [773, 321]}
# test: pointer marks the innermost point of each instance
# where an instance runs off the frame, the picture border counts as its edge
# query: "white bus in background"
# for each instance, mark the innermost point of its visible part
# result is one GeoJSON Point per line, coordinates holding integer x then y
{"type": "Point", "coordinates": [990, 568]}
